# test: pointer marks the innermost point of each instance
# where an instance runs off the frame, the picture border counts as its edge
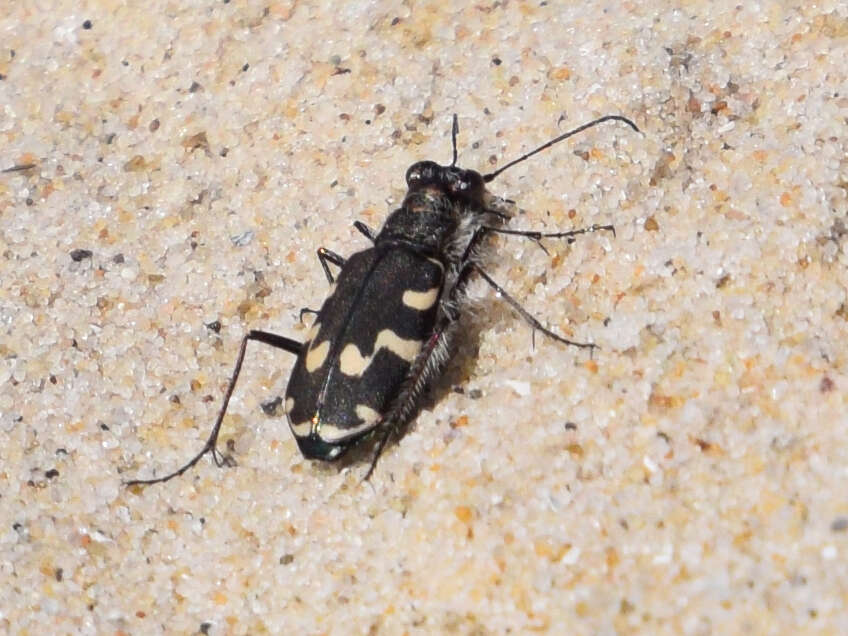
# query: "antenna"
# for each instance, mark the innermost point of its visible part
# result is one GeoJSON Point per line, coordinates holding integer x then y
{"type": "Point", "coordinates": [491, 176]}
{"type": "Point", "coordinates": [454, 132]}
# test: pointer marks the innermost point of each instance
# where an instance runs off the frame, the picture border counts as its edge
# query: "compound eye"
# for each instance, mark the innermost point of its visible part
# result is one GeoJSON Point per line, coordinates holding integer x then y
{"type": "Point", "coordinates": [419, 172]}
{"type": "Point", "coordinates": [413, 175]}
{"type": "Point", "coordinates": [422, 172]}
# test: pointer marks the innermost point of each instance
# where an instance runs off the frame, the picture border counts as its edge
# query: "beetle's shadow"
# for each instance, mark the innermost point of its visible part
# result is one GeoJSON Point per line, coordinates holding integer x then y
{"type": "Point", "coordinates": [455, 373]}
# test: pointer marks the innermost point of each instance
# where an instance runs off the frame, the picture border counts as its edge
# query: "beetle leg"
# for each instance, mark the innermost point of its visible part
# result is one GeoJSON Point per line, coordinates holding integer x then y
{"type": "Point", "coordinates": [503, 216]}
{"type": "Point", "coordinates": [379, 451]}
{"type": "Point", "coordinates": [325, 255]}
{"type": "Point", "coordinates": [534, 235]}
{"type": "Point", "coordinates": [528, 316]}
{"type": "Point", "coordinates": [422, 368]}
{"type": "Point", "coordinates": [271, 339]}
{"type": "Point", "coordinates": [537, 237]}
{"type": "Point", "coordinates": [306, 310]}
{"type": "Point", "coordinates": [366, 231]}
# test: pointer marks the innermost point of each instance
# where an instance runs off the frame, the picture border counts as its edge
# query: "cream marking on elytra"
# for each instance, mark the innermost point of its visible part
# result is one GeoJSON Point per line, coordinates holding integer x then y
{"type": "Point", "coordinates": [353, 363]}
{"type": "Point", "coordinates": [332, 434]}
{"type": "Point", "coordinates": [367, 414]}
{"type": "Point", "coordinates": [316, 355]}
{"type": "Point", "coordinates": [422, 301]}
{"type": "Point", "coordinates": [301, 429]}
{"type": "Point", "coordinates": [405, 349]}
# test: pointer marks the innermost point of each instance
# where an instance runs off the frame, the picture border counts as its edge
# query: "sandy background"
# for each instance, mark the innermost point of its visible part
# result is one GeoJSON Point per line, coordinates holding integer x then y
{"type": "Point", "coordinates": [688, 478]}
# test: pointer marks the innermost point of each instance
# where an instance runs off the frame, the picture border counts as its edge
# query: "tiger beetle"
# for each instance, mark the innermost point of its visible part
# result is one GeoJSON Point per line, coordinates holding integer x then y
{"type": "Point", "coordinates": [388, 324]}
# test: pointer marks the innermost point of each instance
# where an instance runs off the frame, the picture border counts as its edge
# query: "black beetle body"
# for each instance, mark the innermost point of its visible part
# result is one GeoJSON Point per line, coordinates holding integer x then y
{"type": "Point", "coordinates": [386, 328]}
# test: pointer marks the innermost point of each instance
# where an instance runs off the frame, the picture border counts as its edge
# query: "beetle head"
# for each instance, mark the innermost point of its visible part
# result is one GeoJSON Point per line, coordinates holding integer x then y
{"type": "Point", "coordinates": [456, 183]}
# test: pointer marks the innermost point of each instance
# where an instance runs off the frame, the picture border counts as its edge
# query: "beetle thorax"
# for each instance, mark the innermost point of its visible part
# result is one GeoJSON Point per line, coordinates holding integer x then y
{"type": "Point", "coordinates": [424, 221]}
{"type": "Point", "coordinates": [440, 199]}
